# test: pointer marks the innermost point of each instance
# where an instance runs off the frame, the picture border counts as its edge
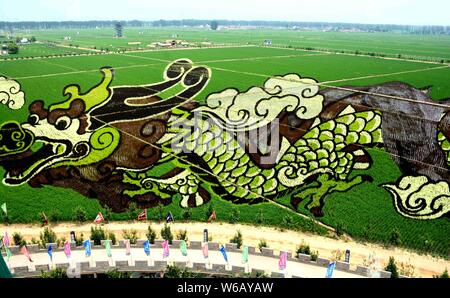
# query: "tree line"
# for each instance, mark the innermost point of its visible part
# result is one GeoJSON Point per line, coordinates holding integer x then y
{"type": "Point", "coordinates": [191, 23]}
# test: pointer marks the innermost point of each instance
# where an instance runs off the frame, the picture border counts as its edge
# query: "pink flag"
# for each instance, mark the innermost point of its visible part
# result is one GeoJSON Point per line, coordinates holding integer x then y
{"type": "Point", "coordinates": [6, 240]}
{"type": "Point", "coordinates": [67, 249]}
{"type": "Point", "coordinates": [282, 261]}
{"type": "Point", "coordinates": [165, 246]}
{"type": "Point", "coordinates": [205, 250]}
{"type": "Point", "coordinates": [127, 247]}
{"type": "Point", "coordinates": [24, 250]}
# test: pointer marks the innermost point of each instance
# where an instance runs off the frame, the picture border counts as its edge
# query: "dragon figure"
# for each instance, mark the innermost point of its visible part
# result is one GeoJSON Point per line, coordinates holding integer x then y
{"type": "Point", "coordinates": [151, 144]}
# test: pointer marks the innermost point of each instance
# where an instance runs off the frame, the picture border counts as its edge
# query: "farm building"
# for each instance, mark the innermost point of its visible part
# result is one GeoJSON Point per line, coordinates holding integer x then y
{"type": "Point", "coordinates": [268, 42]}
{"type": "Point", "coordinates": [4, 50]}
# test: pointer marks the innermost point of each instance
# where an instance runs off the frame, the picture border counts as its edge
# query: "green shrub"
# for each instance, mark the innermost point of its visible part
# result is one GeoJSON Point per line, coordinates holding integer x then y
{"type": "Point", "coordinates": [133, 211]}
{"type": "Point", "coordinates": [443, 275]}
{"type": "Point", "coordinates": [177, 272]}
{"type": "Point", "coordinates": [112, 237]}
{"type": "Point", "coordinates": [79, 214]}
{"type": "Point", "coordinates": [54, 216]}
{"type": "Point", "coordinates": [304, 248]}
{"type": "Point", "coordinates": [392, 267]}
{"type": "Point", "coordinates": [166, 234]}
{"type": "Point", "coordinates": [260, 217]}
{"type": "Point", "coordinates": [262, 243]}
{"type": "Point", "coordinates": [131, 235]}
{"type": "Point", "coordinates": [237, 239]}
{"type": "Point", "coordinates": [340, 229]}
{"type": "Point", "coordinates": [182, 235]}
{"type": "Point", "coordinates": [60, 242]}
{"type": "Point", "coordinates": [235, 215]}
{"type": "Point", "coordinates": [107, 214]}
{"type": "Point", "coordinates": [55, 273]}
{"type": "Point", "coordinates": [394, 237]}
{"type": "Point", "coordinates": [187, 213]}
{"type": "Point", "coordinates": [314, 255]}
{"type": "Point", "coordinates": [18, 239]}
{"type": "Point", "coordinates": [97, 235]}
{"type": "Point", "coordinates": [47, 236]}
{"type": "Point", "coordinates": [151, 235]}
{"type": "Point", "coordinates": [79, 240]}
{"type": "Point", "coordinates": [288, 221]}
{"type": "Point", "coordinates": [117, 274]}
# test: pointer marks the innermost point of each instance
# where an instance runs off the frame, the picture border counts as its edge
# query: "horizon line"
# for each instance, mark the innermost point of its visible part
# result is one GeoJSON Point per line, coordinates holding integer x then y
{"type": "Point", "coordinates": [226, 20]}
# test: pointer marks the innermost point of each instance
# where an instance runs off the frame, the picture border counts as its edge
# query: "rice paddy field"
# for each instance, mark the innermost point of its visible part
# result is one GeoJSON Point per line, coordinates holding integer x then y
{"type": "Point", "coordinates": [365, 212]}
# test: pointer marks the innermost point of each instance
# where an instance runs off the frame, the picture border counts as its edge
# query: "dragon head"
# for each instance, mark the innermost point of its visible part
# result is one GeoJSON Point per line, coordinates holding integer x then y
{"type": "Point", "coordinates": [59, 135]}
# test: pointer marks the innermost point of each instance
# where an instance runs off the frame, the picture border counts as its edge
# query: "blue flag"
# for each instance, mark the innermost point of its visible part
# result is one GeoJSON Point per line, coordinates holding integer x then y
{"type": "Point", "coordinates": [169, 217]}
{"type": "Point", "coordinates": [50, 252]}
{"type": "Point", "coordinates": [330, 270]}
{"type": "Point", "coordinates": [224, 253]}
{"type": "Point", "coordinates": [87, 247]}
{"type": "Point", "coordinates": [147, 248]}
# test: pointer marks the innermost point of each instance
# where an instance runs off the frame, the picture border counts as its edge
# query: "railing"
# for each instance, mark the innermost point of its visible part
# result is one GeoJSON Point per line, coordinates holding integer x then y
{"type": "Point", "coordinates": [264, 262]}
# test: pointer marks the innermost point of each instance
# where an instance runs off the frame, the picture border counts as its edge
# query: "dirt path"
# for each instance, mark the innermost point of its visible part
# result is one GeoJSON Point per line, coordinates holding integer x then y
{"type": "Point", "coordinates": [424, 266]}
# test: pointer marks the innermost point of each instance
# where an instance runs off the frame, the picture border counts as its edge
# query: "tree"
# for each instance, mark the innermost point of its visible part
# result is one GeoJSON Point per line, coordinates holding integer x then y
{"type": "Point", "coordinates": [392, 267]}
{"type": "Point", "coordinates": [97, 235]}
{"type": "Point", "coordinates": [151, 235]}
{"type": "Point", "coordinates": [118, 27]}
{"type": "Point", "coordinates": [166, 234]}
{"type": "Point", "coordinates": [237, 239]}
{"type": "Point", "coordinates": [47, 236]}
{"type": "Point", "coordinates": [214, 25]}
{"type": "Point", "coordinates": [13, 48]}
{"type": "Point", "coordinates": [80, 214]}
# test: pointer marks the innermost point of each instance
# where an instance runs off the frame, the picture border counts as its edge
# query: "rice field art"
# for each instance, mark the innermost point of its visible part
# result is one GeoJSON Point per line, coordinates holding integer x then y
{"type": "Point", "coordinates": [259, 130]}
{"type": "Point", "coordinates": [106, 143]}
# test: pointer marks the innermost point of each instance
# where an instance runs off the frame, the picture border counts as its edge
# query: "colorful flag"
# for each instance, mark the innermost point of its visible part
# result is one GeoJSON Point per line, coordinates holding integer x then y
{"type": "Point", "coordinates": [165, 246]}
{"type": "Point", "coordinates": [169, 217]}
{"type": "Point", "coordinates": [127, 247]}
{"type": "Point", "coordinates": [99, 218]}
{"type": "Point", "coordinates": [44, 219]}
{"type": "Point", "coordinates": [50, 252]}
{"type": "Point", "coordinates": [4, 270]}
{"type": "Point", "coordinates": [282, 261]}
{"type": "Point", "coordinates": [67, 249]}
{"type": "Point", "coordinates": [108, 248]}
{"type": "Point", "coordinates": [87, 247]}
{"type": "Point", "coordinates": [330, 270]}
{"type": "Point", "coordinates": [6, 240]}
{"type": "Point", "coordinates": [212, 216]}
{"type": "Point", "coordinates": [224, 253]}
{"type": "Point", "coordinates": [24, 250]}
{"type": "Point", "coordinates": [245, 255]}
{"type": "Point", "coordinates": [205, 250]}
{"type": "Point", "coordinates": [183, 248]}
{"type": "Point", "coordinates": [147, 248]}
{"type": "Point", "coordinates": [8, 253]}
{"type": "Point", "coordinates": [4, 209]}
{"type": "Point", "coordinates": [143, 215]}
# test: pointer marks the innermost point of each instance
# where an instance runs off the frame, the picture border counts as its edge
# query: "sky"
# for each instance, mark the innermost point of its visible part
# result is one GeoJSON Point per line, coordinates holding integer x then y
{"type": "Point", "coordinates": [406, 12]}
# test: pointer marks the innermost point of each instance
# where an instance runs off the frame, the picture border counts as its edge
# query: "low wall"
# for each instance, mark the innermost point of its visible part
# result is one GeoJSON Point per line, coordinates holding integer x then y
{"type": "Point", "coordinates": [157, 266]}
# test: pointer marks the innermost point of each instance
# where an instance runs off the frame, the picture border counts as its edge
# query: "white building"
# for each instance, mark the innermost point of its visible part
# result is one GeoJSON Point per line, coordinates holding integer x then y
{"type": "Point", "coordinates": [4, 50]}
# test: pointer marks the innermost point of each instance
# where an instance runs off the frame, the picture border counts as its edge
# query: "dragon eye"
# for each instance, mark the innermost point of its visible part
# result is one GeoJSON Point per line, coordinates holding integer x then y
{"type": "Point", "coordinates": [63, 123]}
{"type": "Point", "coordinates": [33, 119]}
